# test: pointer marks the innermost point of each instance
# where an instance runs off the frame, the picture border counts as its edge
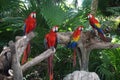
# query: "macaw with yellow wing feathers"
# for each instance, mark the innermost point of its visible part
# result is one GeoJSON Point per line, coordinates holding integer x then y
{"type": "Point", "coordinates": [30, 24]}
{"type": "Point", "coordinates": [96, 27]}
{"type": "Point", "coordinates": [50, 41]}
{"type": "Point", "coordinates": [73, 43]}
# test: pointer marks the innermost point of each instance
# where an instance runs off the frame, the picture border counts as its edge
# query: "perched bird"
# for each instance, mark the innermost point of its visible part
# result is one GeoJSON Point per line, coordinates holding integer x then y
{"type": "Point", "coordinates": [30, 25]}
{"type": "Point", "coordinates": [96, 27]}
{"type": "Point", "coordinates": [73, 43]}
{"type": "Point", "coordinates": [50, 41]}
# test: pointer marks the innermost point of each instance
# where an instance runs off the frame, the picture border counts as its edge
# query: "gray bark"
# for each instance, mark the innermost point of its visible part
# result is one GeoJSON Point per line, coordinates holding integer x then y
{"type": "Point", "coordinates": [37, 59]}
{"type": "Point", "coordinates": [94, 6]}
{"type": "Point", "coordinates": [17, 49]}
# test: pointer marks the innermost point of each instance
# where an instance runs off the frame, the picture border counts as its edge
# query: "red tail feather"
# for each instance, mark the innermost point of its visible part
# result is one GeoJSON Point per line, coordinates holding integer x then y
{"type": "Point", "coordinates": [103, 37]}
{"type": "Point", "coordinates": [25, 54]}
{"type": "Point", "coordinates": [50, 66]}
{"type": "Point", "coordinates": [74, 58]}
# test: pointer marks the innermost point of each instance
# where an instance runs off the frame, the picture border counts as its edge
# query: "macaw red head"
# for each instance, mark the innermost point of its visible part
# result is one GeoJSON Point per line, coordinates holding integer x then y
{"type": "Point", "coordinates": [90, 16]}
{"type": "Point", "coordinates": [80, 28]}
{"type": "Point", "coordinates": [55, 28]}
{"type": "Point", "coordinates": [32, 15]}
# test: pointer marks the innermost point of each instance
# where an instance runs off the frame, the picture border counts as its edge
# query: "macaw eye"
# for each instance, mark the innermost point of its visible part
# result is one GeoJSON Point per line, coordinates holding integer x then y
{"type": "Point", "coordinates": [53, 29]}
{"type": "Point", "coordinates": [80, 28]}
{"type": "Point", "coordinates": [32, 15]}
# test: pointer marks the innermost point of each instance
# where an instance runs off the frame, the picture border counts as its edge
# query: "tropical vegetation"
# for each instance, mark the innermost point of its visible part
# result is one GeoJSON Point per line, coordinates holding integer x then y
{"type": "Point", "coordinates": [106, 63]}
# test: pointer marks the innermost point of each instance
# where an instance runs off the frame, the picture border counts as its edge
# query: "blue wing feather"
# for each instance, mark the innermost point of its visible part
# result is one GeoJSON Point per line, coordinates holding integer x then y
{"type": "Point", "coordinates": [98, 29]}
{"type": "Point", "coordinates": [72, 45]}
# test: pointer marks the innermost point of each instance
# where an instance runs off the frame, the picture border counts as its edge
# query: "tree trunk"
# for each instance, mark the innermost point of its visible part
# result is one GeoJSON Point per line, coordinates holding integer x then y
{"type": "Point", "coordinates": [94, 6]}
{"type": "Point", "coordinates": [15, 63]}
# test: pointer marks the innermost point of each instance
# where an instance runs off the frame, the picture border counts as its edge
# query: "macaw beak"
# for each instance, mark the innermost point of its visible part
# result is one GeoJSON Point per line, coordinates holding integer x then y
{"type": "Point", "coordinates": [34, 16]}
{"type": "Point", "coordinates": [56, 30]}
{"type": "Point", "coordinates": [81, 29]}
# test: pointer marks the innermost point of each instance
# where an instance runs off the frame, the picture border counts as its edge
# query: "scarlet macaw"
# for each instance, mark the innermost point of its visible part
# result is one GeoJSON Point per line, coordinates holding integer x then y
{"type": "Point", "coordinates": [51, 42]}
{"type": "Point", "coordinates": [73, 43]}
{"type": "Point", "coordinates": [30, 24]}
{"type": "Point", "coordinates": [96, 27]}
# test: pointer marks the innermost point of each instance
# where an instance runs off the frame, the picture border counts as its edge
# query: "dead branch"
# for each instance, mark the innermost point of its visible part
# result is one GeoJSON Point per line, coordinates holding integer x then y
{"type": "Point", "coordinates": [37, 59]}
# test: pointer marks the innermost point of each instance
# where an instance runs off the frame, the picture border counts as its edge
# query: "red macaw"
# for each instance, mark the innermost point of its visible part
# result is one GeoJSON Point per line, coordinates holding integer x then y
{"type": "Point", "coordinates": [96, 27]}
{"type": "Point", "coordinates": [73, 44]}
{"type": "Point", "coordinates": [30, 24]}
{"type": "Point", "coordinates": [51, 42]}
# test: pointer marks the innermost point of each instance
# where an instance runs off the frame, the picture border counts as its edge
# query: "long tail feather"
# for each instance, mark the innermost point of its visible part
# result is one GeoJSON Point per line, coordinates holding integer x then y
{"type": "Point", "coordinates": [103, 37]}
{"type": "Point", "coordinates": [74, 58]}
{"type": "Point", "coordinates": [50, 67]}
{"type": "Point", "coordinates": [25, 54]}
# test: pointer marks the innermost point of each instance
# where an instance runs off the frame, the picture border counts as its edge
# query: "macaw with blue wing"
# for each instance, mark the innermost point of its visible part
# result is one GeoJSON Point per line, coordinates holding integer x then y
{"type": "Point", "coordinates": [96, 27]}
{"type": "Point", "coordinates": [30, 25]}
{"type": "Point", "coordinates": [50, 41]}
{"type": "Point", "coordinates": [73, 43]}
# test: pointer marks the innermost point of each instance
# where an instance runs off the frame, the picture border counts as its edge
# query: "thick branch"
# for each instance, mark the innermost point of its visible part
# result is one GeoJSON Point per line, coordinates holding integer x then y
{"type": "Point", "coordinates": [104, 45]}
{"type": "Point", "coordinates": [88, 40]}
{"type": "Point", "coordinates": [17, 72]}
{"type": "Point", "coordinates": [22, 43]}
{"type": "Point", "coordinates": [38, 59]}
{"type": "Point", "coordinates": [64, 37]}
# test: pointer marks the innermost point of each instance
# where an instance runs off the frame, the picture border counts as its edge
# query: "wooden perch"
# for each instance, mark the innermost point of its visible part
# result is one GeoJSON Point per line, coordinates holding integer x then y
{"type": "Point", "coordinates": [37, 59]}
{"type": "Point", "coordinates": [21, 43]}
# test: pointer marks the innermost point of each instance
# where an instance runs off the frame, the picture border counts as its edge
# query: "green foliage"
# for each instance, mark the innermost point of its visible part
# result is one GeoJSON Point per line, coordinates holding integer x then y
{"type": "Point", "coordinates": [109, 7]}
{"type": "Point", "coordinates": [114, 10]}
{"type": "Point", "coordinates": [106, 63]}
{"type": "Point", "coordinates": [53, 14]}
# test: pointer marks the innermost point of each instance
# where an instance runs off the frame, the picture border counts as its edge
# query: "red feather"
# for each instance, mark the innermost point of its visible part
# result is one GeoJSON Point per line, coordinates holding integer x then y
{"type": "Point", "coordinates": [102, 37]}
{"type": "Point", "coordinates": [30, 24]}
{"type": "Point", "coordinates": [26, 53]}
{"type": "Point", "coordinates": [74, 58]}
{"type": "Point", "coordinates": [51, 42]}
{"type": "Point", "coordinates": [75, 38]}
{"type": "Point", "coordinates": [96, 26]}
